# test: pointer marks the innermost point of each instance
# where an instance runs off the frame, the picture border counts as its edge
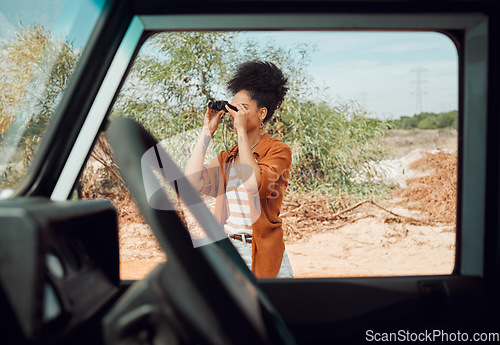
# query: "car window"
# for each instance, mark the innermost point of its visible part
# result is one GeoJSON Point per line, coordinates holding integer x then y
{"type": "Point", "coordinates": [40, 44]}
{"type": "Point", "coordinates": [371, 121]}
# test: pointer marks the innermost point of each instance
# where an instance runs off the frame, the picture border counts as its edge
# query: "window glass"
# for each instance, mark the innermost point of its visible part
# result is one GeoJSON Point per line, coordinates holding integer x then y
{"type": "Point", "coordinates": [371, 121]}
{"type": "Point", "coordinates": [40, 44]}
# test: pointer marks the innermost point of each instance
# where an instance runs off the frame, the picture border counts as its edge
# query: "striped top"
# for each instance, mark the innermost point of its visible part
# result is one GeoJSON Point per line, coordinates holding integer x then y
{"type": "Point", "coordinates": [239, 219]}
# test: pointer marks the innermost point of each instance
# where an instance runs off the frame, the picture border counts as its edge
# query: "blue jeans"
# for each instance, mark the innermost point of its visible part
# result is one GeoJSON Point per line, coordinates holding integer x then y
{"type": "Point", "coordinates": [245, 250]}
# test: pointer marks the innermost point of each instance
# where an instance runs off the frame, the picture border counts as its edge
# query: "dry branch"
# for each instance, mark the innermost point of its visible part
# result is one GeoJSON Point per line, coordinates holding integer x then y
{"type": "Point", "coordinates": [295, 210]}
{"type": "Point", "coordinates": [413, 220]}
{"type": "Point", "coordinates": [334, 216]}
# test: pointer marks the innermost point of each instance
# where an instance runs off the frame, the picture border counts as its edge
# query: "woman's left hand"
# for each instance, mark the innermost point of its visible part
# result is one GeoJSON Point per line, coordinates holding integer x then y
{"type": "Point", "coordinates": [239, 117]}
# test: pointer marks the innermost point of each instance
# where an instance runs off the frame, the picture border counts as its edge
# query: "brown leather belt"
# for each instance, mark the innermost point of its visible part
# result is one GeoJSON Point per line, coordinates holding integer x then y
{"type": "Point", "coordinates": [243, 238]}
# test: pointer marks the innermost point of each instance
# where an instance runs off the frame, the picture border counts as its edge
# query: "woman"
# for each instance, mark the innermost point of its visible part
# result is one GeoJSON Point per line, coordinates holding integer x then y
{"type": "Point", "coordinates": [250, 179]}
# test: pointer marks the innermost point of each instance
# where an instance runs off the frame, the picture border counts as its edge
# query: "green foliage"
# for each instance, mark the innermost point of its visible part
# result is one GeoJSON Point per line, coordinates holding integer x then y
{"type": "Point", "coordinates": [447, 120]}
{"type": "Point", "coordinates": [175, 75]}
{"type": "Point", "coordinates": [407, 122]}
{"type": "Point", "coordinates": [34, 70]}
{"type": "Point", "coordinates": [167, 90]}
{"type": "Point", "coordinates": [180, 69]}
{"type": "Point", "coordinates": [19, 58]}
{"type": "Point", "coordinates": [332, 146]}
{"type": "Point", "coordinates": [428, 121]}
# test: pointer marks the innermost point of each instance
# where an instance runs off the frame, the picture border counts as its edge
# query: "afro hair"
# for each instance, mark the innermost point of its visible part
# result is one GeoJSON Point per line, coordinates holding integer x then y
{"type": "Point", "coordinates": [265, 83]}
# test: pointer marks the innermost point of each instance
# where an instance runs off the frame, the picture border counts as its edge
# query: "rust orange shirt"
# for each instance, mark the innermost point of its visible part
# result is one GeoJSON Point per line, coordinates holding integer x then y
{"type": "Point", "coordinates": [274, 159]}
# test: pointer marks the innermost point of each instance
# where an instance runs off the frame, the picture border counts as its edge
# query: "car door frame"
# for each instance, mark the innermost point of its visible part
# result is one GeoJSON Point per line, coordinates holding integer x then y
{"type": "Point", "coordinates": [474, 27]}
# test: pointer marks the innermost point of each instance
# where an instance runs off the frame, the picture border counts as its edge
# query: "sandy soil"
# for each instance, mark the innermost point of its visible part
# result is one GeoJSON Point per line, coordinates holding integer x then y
{"type": "Point", "coordinates": [370, 244]}
{"type": "Point", "coordinates": [389, 237]}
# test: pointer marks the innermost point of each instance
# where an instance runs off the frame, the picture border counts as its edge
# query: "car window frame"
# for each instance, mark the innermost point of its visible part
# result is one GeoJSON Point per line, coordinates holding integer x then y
{"type": "Point", "coordinates": [469, 31]}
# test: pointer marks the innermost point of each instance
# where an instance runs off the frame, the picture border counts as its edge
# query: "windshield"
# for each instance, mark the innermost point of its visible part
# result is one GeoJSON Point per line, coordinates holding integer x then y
{"type": "Point", "coordinates": [40, 44]}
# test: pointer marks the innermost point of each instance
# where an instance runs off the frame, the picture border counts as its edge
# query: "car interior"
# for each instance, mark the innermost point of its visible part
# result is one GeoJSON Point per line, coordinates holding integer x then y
{"type": "Point", "coordinates": [59, 256]}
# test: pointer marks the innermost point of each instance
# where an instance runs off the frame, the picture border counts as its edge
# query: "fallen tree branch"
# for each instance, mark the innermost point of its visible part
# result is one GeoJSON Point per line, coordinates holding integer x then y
{"type": "Point", "coordinates": [345, 210]}
{"type": "Point", "coordinates": [414, 220]}
{"type": "Point", "coordinates": [293, 211]}
{"type": "Point", "coordinates": [348, 209]}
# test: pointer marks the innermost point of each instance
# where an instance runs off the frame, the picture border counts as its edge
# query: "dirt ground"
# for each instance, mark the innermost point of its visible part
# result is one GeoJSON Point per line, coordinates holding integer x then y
{"type": "Point", "coordinates": [411, 233]}
{"type": "Point", "coordinates": [371, 242]}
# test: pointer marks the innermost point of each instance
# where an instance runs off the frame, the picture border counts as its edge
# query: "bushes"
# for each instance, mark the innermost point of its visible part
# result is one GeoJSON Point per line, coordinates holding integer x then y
{"type": "Point", "coordinates": [35, 67]}
{"type": "Point", "coordinates": [176, 73]}
{"type": "Point", "coordinates": [332, 145]}
{"type": "Point", "coordinates": [428, 121]}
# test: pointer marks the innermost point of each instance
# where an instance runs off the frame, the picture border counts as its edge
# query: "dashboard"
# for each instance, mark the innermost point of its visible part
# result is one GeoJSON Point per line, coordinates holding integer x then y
{"type": "Point", "coordinates": [59, 265]}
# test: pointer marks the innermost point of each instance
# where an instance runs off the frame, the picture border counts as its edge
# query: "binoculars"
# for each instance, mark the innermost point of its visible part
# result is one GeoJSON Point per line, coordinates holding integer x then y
{"type": "Point", "coordinates": [220, 105]}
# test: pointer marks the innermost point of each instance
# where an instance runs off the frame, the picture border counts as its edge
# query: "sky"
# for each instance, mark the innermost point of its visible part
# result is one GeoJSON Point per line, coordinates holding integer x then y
{"type": "Point", "coordinates": [71, 19]}
{"type": "Point", "coordinates": [389, 73]}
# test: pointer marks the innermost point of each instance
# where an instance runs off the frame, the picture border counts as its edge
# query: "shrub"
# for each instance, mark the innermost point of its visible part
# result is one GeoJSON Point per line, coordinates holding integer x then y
{"type": "Point", "coordinates": [168, 90]}
{"type": "Point", "coordinates": [428, 123]}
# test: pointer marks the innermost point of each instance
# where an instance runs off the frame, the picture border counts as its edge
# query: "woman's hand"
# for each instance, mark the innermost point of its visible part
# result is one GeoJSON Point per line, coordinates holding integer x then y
{"type": "Point", "coordinates": [211, 121]}
{"type": "Point", "coordinates": [239, 116]}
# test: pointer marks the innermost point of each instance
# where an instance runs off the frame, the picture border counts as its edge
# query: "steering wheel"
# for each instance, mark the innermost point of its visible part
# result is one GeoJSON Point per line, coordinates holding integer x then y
{"type": "Point", "coordinates": [204, 294]}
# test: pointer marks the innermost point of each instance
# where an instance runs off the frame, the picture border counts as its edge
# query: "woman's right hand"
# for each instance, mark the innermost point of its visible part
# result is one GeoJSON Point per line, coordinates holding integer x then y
{"type": "Point", "coordinates": [211, 121]}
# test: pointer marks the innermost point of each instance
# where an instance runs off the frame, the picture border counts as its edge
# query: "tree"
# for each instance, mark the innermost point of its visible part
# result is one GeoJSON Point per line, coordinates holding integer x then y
{"type": "Point", "coordinates": [333, 147]}
{"type": "Point", "coordinates": [428, 122]}
{"type": "Point", "coordinates": [408, 122]}
{"type": "Point", "coordinates": [176, 73]}
{"type": "Point", "coordinates": [34, 70]}
{"type": "Point", "coordinates": [447, 120]}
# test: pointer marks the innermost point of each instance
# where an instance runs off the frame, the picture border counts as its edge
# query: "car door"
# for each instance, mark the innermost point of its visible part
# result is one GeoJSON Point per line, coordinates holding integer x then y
{"type": "Point", "coordinates": [319, 310]}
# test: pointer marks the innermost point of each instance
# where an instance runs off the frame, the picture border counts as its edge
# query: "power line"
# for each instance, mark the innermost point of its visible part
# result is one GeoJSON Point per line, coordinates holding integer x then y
{"type": "Point", "coordinates": [418, 88]}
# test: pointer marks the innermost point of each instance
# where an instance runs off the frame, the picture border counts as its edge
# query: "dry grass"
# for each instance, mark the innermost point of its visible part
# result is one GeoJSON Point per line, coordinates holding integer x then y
{"type": "Point", "coordinates": [434, 195]}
